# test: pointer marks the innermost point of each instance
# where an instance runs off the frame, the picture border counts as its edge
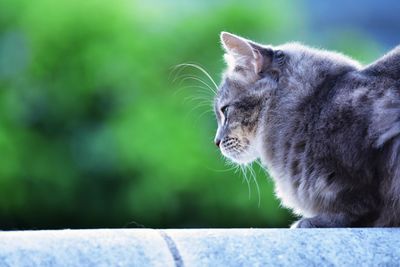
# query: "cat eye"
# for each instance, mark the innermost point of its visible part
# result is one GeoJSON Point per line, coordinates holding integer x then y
{"type": "Point", "coordinates": [224, 110]}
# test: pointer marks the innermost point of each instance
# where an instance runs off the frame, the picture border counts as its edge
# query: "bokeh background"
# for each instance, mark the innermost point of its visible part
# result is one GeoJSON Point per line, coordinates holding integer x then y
{"type": "Point", "coordinates": [98, 129]}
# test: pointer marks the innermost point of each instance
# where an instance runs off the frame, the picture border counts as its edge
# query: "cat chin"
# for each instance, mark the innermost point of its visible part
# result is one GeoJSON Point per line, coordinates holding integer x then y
{"type": "Point", "coordinates": [245, 157]}
{"type": "Point", "coordinates": [240, 159]}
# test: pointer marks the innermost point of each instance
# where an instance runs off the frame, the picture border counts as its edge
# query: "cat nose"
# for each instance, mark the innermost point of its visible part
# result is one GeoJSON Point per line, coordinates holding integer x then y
{"type": "Point", "coordinates": [217, 142]}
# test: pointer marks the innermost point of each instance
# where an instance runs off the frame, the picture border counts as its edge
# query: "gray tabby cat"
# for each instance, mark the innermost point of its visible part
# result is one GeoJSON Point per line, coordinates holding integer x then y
{"type": "Point", "coordinates": [326, 128]}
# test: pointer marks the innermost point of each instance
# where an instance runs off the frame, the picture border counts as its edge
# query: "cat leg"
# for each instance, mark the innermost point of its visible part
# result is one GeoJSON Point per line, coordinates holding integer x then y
{"type": "Point", "coordinates": [350, 208]}
{"type": "Point", "coordinates": [339, 220]}
{"type": "Point", "coordinates": [324, 221]}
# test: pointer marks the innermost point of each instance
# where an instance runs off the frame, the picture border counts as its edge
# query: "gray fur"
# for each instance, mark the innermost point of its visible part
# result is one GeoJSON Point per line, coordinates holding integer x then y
{"type": "Point", "coordinates": [326, 128]}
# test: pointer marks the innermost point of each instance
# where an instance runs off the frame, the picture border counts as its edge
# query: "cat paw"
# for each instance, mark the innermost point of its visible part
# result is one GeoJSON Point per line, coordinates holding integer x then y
{"type": "Point", "coordinates": [303, 223]}
{"type": "Point", "coordinates": [294, 225]}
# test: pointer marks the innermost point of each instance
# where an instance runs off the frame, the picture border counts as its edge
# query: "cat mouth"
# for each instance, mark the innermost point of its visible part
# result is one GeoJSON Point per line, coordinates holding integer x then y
{"type": "Point", "coordinates": [233, 149]}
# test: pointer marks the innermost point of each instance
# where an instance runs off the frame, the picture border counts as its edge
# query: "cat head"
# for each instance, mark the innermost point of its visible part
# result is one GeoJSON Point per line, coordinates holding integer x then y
{"type": "Point", "coordinates": [251, 70]}
{"type": "Point", "coordinates": [256, 72]}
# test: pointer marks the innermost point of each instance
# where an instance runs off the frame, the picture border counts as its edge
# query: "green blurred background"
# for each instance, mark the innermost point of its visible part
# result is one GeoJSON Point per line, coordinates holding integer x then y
{"type": "Point", "coordinates": [97, 128]}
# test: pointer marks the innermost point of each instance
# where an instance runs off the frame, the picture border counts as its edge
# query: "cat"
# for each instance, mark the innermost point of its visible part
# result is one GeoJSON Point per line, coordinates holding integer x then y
{"type": "Point", "coordinates": [326, 128]}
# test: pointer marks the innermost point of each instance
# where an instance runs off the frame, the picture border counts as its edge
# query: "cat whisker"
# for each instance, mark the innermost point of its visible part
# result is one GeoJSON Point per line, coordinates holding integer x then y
{"type": "Point", "coordinates": [206, 105]}
{"type": "Point", "coordinates": [198, 106]}
{"type": "Point", "coordinates": [203, 92]}
{"type": "Point", "coordinates": [223, 170]}
{"type": "Point", "coordinates": [203, 89]}
{"type": "Point", "coordinates": [197, 87]}
{"type": "Point", "coordinates": [246, 178]}
{"type": "Point", "coordinates": [198, 67]}
{"type": "Point", "coordinates": [254, 176]}
{"type": "Point", "coordinates": [179, 77]}
{"type": "Point", "coordinates": [250, 169]}
{"type": "Point", "coordinates": [196, 98]}
{"type": "Point", "coordinates": [204, 113]}
{"type": "Point", "coordinates": [234, 166]}
{"type": "Point", "coordinates": [191, 77]}
{"type": "Point", "coordinates": [263, 168]}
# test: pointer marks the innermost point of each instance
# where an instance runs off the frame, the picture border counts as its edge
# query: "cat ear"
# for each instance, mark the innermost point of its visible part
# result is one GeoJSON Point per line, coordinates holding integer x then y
{"type": "Point", "coordinates": [242, 53]}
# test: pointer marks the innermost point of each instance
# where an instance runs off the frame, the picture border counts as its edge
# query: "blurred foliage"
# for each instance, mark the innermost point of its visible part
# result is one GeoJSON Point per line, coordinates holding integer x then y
{"type": "Point", "coordinates": [97, 129]}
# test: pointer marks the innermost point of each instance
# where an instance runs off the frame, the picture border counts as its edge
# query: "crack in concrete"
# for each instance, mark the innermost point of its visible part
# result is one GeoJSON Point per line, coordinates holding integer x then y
{"type": "Point", "coordinates": [172, 248]}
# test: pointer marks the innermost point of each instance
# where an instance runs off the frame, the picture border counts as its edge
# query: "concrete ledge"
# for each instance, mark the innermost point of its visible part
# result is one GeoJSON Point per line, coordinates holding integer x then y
{"type": "Point", "coordinates": [196, 247]}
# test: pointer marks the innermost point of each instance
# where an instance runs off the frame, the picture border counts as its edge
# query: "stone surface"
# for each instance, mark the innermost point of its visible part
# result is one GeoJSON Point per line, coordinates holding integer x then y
{"type": "Point", "coordinates": [288, 247]}
{"type": "Point", "coordinates": [84, 248]}
{"type": "Point", "coordinates": [202, 247]}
